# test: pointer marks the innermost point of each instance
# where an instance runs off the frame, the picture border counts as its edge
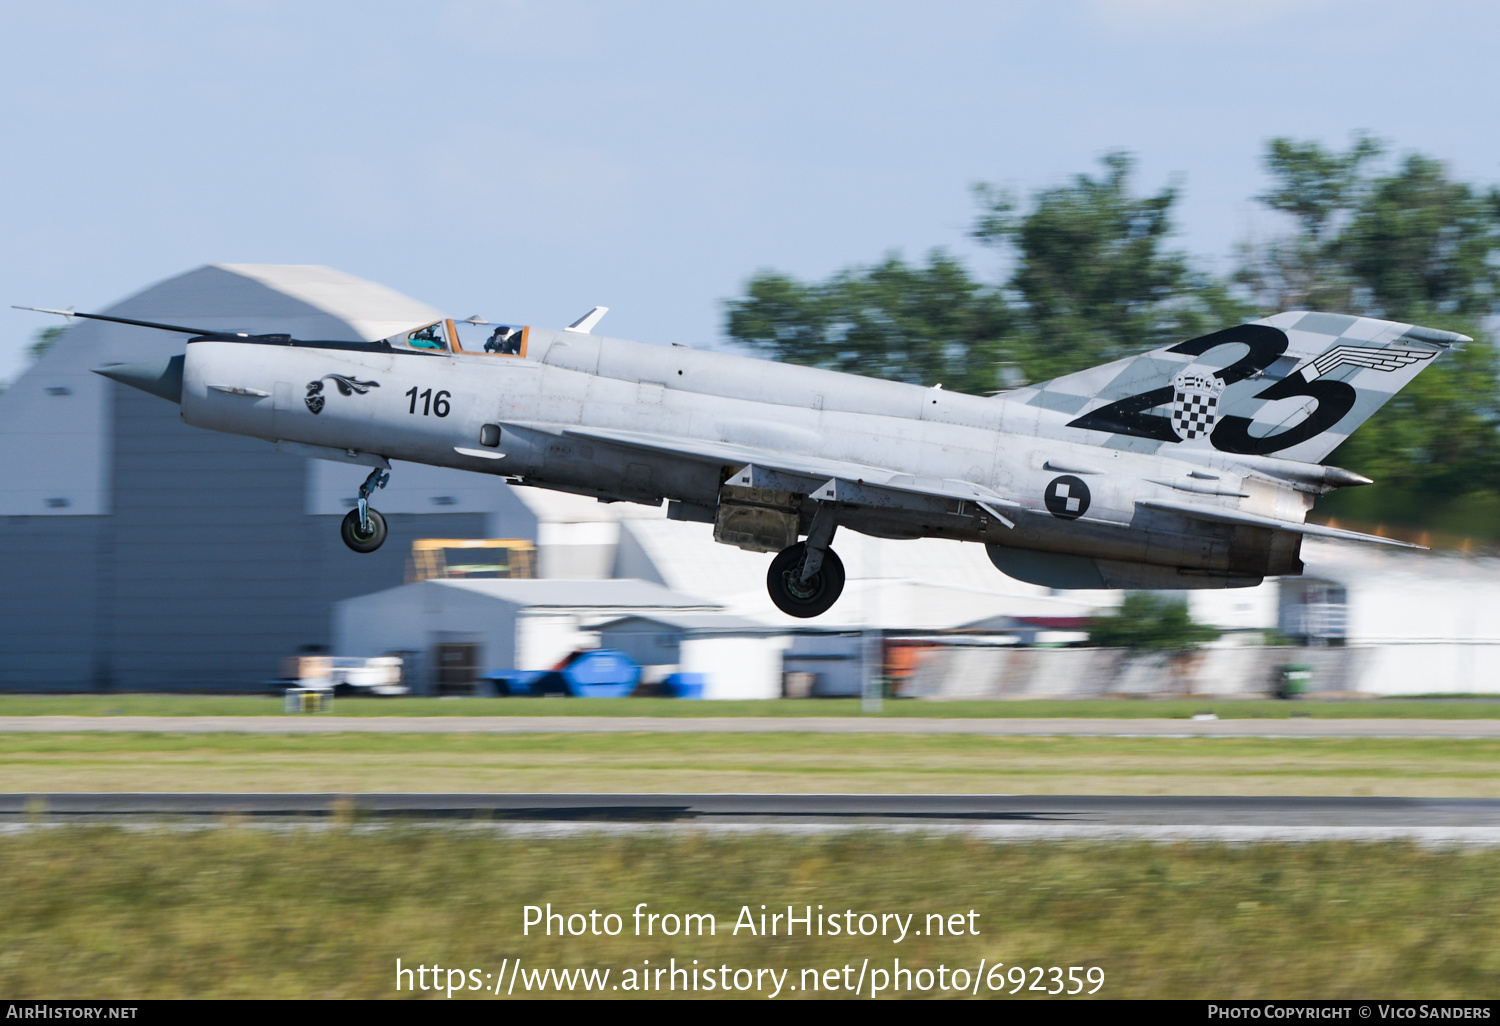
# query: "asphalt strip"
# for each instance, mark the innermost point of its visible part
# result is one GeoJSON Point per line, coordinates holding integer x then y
{"type": "Point", "coordinates": [1426, 837]}
{"type": "Point", "coordinates": [1299, 727]}
{"type": "Point", "coordinates": [1132, 810]}
{"type": "Point", "coordinates": [998, 818]}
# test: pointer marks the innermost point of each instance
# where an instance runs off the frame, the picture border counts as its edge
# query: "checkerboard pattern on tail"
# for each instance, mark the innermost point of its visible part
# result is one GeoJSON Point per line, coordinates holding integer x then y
{"type": "Point", "coordinates": [1195, 403]}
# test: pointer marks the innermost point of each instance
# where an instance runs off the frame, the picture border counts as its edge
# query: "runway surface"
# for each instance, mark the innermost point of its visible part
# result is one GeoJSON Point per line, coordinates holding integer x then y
{"type": "Point", "coordinates": [1116, 809]}
{"type": "Point", "coordinates": [994, 817]}
{"type": "Point", "coordinates": [1019, 727]}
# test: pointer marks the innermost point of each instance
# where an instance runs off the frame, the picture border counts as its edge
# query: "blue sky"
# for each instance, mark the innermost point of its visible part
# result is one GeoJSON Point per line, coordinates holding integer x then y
{"type": "Point", "coordinates": [528, 160]}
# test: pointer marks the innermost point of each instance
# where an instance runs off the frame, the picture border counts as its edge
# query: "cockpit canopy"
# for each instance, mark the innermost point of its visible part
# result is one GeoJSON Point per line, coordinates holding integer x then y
{"type": "Point", "coordinates": [468, 336]}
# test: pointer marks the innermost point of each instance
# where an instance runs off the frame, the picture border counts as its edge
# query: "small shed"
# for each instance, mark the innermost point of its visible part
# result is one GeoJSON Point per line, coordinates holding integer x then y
{"type": "Point", "coordinates": [827, 664]}
{"type": "Point", "coordinates": [656, 639]}
{"type": "Point", "coordinates": [736, 657]}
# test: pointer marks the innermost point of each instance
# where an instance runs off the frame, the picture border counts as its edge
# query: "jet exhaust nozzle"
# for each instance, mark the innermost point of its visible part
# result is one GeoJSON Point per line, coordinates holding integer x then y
{"type": "Point", "coordinates": [159, 377]}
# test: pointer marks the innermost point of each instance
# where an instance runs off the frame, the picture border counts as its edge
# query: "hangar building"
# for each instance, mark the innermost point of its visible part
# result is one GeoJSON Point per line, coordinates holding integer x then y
{"type": "Point", "coordinates": [494, 625]}
{"type": "Point", "coordinates": [139, 553]}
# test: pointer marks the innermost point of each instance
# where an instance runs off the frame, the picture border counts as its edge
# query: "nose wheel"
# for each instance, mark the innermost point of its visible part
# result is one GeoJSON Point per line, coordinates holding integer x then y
{"type": "Point", "coordinates": [363, 537]}
{"type": "Point", "coordinates": [798, 593]}
{"type": "Point", "coordinates": [363, 529]}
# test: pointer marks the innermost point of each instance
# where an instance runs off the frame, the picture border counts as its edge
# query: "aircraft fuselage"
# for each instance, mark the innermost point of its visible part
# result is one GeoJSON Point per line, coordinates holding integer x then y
{"type": "Point", "coordinates": [578, 413]}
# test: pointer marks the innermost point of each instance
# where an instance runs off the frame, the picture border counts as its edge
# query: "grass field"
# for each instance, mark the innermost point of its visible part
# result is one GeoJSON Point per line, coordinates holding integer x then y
{"type": "Point", "coordinates": [1175, 708]}
{"type": "Point", "coordinates": [748, 762]}
{"type": "Point", "coordinates": [244, 912]}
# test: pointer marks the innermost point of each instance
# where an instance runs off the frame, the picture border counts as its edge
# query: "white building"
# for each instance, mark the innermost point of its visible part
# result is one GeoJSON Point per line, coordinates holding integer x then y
{"type": "Point", "coordinates": [1406, 622]}
{"type": "Point", "coordinates": [1425, 622]}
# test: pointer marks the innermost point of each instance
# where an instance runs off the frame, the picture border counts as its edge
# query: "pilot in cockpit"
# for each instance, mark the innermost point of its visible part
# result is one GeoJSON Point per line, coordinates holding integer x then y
{"type": "Point", "coordinates": [504, 340]}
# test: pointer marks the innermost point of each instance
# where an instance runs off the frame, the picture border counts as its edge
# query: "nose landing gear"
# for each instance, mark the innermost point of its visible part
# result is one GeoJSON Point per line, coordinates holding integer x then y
{"type": "Point", "coordinates": [363, 529]}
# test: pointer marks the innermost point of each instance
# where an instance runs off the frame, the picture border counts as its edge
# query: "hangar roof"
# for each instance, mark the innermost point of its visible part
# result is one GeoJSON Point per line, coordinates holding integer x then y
{"type": "Point", "coordinates": [613, 593]}
{"type": "Point", "coordinates": [698, 622]}
{"type": "Point", "coordinates": [55, 419]}
{"type": "Point", "coordinates": [371, 309]}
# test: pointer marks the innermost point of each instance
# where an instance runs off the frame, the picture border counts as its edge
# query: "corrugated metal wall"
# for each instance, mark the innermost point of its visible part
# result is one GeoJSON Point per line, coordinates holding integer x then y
{"type": "Point", "coordinates": [218, 572]}
{"type": "Point", "coordinates": [49, 605]}
{"type": "Point", "coordinates": [207, 572]}
{"type": "Point", "coordinates": [144, 554]}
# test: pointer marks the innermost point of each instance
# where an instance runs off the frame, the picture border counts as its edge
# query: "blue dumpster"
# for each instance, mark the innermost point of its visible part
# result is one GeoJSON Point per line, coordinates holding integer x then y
{"type": "Point", "coordinates": [601, 673]}
{"type": "Point", "coordinates": [511, 682]}
{"type": "Point", "coordinates": [686, 685]}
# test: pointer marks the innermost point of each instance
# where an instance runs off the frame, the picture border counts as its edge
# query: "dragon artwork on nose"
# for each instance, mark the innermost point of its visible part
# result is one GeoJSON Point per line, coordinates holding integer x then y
{"type": "Point", "coordinates": [343, 382]}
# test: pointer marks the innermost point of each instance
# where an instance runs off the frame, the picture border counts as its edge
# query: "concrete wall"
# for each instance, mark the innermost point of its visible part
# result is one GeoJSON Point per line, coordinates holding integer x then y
{"type": "Point", "coordinates": [997, 672]}
{"type": "Point", "coordinates": [1434, 668]}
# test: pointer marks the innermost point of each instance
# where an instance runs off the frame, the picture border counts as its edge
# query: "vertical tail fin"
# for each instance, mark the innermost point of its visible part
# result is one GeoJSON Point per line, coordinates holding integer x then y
{"type": "Point", "coordinates": [1292, 386]}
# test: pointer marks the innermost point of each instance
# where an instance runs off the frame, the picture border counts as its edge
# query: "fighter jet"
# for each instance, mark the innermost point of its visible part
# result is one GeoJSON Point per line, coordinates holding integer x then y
{"type": "Point", "coordinates": [1190, 466]}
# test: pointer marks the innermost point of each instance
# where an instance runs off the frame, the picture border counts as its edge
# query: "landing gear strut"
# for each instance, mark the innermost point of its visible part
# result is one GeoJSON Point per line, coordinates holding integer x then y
{"type": "Point", "coordinates": [363, 529]}
{"type": "Point", "coordinates": [806, 579]}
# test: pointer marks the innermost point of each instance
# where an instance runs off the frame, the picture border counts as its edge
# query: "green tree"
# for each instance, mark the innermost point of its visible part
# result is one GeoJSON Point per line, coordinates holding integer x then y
{"type": "Point", "coordinates": [1093, 281]}
{"type": "Point", "coordinates": [1152, 622]}
{"type": "Point", "coordinates": [1421, 246]}
{"type": "Point", "coordinates": [1317, 188]}
{"type": "Point", "coordinates": [1093, 277]}
{"type": "Point", "coordinates": [928, 325]}
{"type": "Point", "coordinates": [1411, 245]}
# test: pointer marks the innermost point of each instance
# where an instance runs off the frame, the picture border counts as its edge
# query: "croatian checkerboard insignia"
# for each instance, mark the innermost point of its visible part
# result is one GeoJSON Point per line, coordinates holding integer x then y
{"type": "Point", "coordinates": [1195, 403]}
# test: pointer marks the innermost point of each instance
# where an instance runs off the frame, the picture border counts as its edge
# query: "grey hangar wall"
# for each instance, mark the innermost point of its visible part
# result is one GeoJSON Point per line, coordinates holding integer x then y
{"type": "Point", "coordinates": [137, 553]}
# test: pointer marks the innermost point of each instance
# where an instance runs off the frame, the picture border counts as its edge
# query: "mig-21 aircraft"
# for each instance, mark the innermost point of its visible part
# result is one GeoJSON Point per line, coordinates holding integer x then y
{"type": "Point", "coordinates": [1190, 466]}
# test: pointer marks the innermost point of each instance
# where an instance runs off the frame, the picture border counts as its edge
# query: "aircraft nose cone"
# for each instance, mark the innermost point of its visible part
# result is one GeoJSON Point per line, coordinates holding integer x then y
{"type": "Point", "coordinates": [159, 377]}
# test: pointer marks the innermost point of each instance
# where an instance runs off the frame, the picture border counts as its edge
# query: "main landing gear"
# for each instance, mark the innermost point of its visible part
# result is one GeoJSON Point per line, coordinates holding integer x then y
{"type": "Point", "coordinates": [363, 529]}
{"type": "Point", "coordinates": [806, 579]}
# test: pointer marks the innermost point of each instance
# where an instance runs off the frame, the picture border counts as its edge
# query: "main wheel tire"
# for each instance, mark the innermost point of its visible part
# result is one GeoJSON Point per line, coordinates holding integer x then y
{"type": "Point", "coordinates": [812, 597]}
{"type": "Point", "coordinates": [360, 540]}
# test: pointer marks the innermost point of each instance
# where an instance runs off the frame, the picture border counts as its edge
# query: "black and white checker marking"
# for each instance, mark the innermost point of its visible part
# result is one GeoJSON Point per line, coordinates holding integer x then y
{"type": "Point", "coordinates": [1195, 404]}
{"type": "Point", "coordinates": [1067, 497]}
{"type": "Point", "coordinates": [1193, 415]}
